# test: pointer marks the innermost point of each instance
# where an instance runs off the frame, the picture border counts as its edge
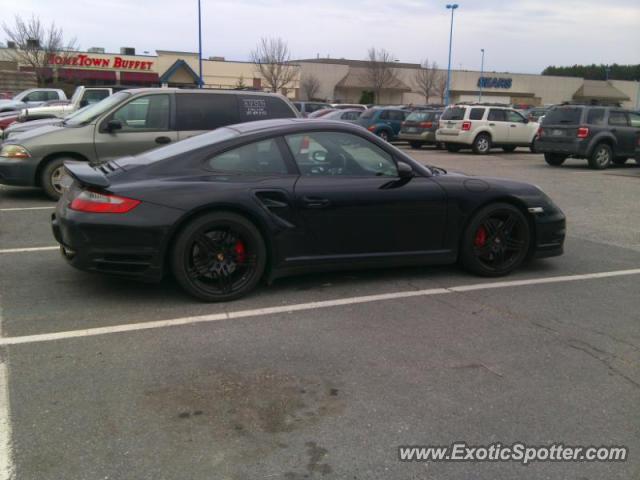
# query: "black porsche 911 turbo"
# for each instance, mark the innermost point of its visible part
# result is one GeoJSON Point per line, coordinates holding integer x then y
{"type": "Point", "coordinates": [267, 199]}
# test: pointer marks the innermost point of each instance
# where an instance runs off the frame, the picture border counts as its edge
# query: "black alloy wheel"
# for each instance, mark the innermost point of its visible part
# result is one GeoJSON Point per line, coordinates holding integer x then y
{"type": "Point", "coordinates": [497, 240]}
{"type": "Point", "coordinates": [219, 257]}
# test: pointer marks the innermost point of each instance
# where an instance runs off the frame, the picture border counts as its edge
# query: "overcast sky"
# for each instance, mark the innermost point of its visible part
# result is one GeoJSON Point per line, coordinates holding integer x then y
{"type": "Point", "coordinates": [517, 35]}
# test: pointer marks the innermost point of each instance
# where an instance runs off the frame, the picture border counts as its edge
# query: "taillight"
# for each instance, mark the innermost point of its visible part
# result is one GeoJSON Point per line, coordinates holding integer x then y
{"type": "Point", "coordinates": [403, 124]}
{"type": "Point", "coordinates": [94, 202]}
{"type": "Point", "coordinates": [583, 132]}
{"type": "Point", "coordinates": [539, 133]}
{"type": "Point", "coordinates": [372, 128]}
{"type": "Point", "coordinates": [466, 126]}
{"type": "Point", "coordinates": [426, 124]}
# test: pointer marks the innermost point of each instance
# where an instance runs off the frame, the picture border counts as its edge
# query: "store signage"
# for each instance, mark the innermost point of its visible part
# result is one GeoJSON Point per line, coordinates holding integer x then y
{"type": "Point", "coordinates": [494, 82]}
{"type": "Point", "coordinates": [82, 60]}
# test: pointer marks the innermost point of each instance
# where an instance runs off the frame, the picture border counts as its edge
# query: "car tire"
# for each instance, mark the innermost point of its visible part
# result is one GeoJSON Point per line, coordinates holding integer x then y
{"type": "Point", "coordinates": [384, 135]}
{"type": "Point", "coordinates": [482, 144]}
{"type": "Point", "coordinates": [509, 149]}
{"type": "Point", "coordinates": [532, 147]}
{"type": "Point", "coordinates": [554, 159]}
{"type": "Point", "coordinates": [496, 241]}
{"type": "Point", "coordinates": [51, 177]}
{"type": "Point", "coordinates": [452, 147]}
{"type": "Point", "coordinates": [205, 258]}
{"type": "Point", "coordinates": [415, 145]}
{"type": "Point", "coordinates": [601, 157]}
{"type": "Point", "coordinates": [620, 160]}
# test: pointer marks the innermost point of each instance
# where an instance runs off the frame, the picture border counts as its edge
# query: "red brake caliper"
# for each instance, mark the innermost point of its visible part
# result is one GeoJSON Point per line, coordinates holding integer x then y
{"type": "Point", "coordinates": [481, 237]}
{"type": "Point", "coordinates": [241, 252]}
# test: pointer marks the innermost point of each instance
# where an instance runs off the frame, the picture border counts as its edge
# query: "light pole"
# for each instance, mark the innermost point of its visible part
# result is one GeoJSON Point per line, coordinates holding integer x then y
{"type": "Point", "coordinates": [200, 82]}
{"type": "Point", "coordinates": [481, 74]}
{"type": "Point", "coordinates": [451, 6]}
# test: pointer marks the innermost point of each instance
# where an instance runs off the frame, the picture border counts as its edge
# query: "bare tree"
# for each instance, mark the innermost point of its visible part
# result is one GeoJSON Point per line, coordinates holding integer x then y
{"type": "Point", "coordinates": [309, 84]}
{"type": "Point", "coordinates": [425, 79]}
{"type": "Point", "coordinates": [273, 61]}
{"type": "Point", "coordinates": [440, 87]}
{"type": "Point", "coordinates": [35, 43]}
{"type": "Point", "coordinates": [379, 71]}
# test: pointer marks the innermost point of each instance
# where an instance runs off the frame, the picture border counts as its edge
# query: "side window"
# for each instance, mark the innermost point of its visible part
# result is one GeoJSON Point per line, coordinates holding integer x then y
{"type": "Point", "coordinates": [476, 114]}
{"type": "Point", "coordinates": [262, 107]}
{"type": "Point", "coordinates": [596, 116]}
{"type": "Point", "coordinates": [635, 119]}
{"type": "Point", "coordinates": [350, 116]}
{"type": "Point", "coordinates": [515, 117]}
{"type": "Point", "coordinates": [258, 158]}
{"type": "Point", "coordinates": [618, 118]}
{"type": "Point", "coordinates": [397, 115]}
{"type": "Point", "coordinates": [496, 115]}
{"type": "Point", "coordinates": [36, 97]}
{"type": "Point", "coordinates": [205, 111]}
{"type": "Point", "coordinates": [339, 154]}
{"type": "Point", "coordinates": [384, 115]}
{"type": "Point", "coordinates": [144, 113]}
{"type": "Point", "coordinates": [52, 96]}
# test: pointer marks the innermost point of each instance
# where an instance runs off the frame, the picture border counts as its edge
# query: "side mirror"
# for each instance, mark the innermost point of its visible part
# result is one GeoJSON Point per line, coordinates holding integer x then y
{"type": "Point", "coordinates": [113, 125]}
{"type": "Point", "coordinates": [405, 170]}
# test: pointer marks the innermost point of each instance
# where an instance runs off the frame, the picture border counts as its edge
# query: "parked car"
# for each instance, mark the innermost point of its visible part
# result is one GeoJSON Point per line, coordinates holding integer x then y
{"type": "Point", "coordinates": [601, 134]}
{"type": "Point", "coordinates": [128, 123]}
{"type": "Point", "coordinates": [321, 113]}
{"type": "Point", "coordinates": [21, 125]}
{"type": "Point", "coordinates": [305, 108]}
{"type": "Point", "coordinates": [482, 127]}
{"type": "Point", "coordinates": [226, 209]}
{"type": "Point", "coordinates": [82, 97]}
{"type": "Point", "coordinates": [346, 115]}
{"type": "Point", "coordinates": [31, 98]}
{"type": "Point", "coordinates": [6, 120]}
{"type": "Point", "coordinates": [349, 106]}
{"type": "Point", "coordinates": [384, 121]}
{"type": "Point", "coordinates": [420, 128]}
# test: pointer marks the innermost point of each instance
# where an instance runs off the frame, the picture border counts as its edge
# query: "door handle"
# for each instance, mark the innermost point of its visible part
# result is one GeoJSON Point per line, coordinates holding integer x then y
{"type": "Point", "coordinates": [163, 140]}
{"type": "Point", "coordinates": [492, 124]}
{"type": "Point", "coordinates": [316, 202]}
{"type": "Point", "coordinates": [513, 126]}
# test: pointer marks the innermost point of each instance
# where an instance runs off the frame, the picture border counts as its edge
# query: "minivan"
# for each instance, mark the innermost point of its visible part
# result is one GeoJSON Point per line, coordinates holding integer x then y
{"type": "Point", "coordinates": [128, 123]}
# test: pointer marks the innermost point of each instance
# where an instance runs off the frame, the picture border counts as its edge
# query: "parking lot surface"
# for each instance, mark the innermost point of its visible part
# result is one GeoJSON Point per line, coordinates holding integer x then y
{"type": "Point", "coordinates": [325, 376]}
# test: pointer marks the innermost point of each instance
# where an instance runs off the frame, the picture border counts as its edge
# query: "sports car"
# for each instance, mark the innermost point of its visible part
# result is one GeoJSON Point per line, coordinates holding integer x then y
{"type": "Point", "coordinates": [257, 201]}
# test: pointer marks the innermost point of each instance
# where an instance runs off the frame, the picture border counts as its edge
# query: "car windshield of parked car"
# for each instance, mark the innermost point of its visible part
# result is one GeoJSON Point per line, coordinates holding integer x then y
{"type": "Point", "coordinates": [453, 113]}
{"type": "Point", "coordinates": [92, 112]}
{"type": "Point", "coordinates": [563, 115]}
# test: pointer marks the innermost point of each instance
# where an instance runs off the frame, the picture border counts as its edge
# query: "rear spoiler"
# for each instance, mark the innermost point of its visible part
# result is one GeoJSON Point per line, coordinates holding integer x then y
{"type": "Point", "coordinates": [86, 174]}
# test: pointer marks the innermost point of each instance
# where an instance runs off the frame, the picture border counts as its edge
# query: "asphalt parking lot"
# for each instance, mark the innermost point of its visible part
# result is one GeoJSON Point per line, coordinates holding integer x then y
{"type": "Point", "coordinates": [324, 376]}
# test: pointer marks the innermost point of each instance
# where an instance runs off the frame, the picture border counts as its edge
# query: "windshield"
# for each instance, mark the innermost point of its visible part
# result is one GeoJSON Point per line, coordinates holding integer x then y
{"type": "Point", "coordinates": [91, 112]}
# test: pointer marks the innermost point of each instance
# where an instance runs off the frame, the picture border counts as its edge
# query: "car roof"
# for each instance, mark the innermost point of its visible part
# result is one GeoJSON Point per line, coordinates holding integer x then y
{"type": "Point", "coordinates": [278, 124]}
{"type": "Point", "coordinates": [199, 90]}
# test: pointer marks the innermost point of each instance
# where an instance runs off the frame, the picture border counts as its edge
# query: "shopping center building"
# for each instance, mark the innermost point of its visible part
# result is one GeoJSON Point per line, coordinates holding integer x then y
{"type": "Point", "coordinates": [339, 80]}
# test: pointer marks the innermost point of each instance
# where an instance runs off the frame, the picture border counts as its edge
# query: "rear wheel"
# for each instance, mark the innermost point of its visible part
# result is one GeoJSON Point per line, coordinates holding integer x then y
{"type": "Point", "coordinates": [51, 178]}
{"type": "Point", "coordinates": [532, 147]}
{"type": "Point", "coordinates": [452, 147]}
{"type": "Point", "coordinates": [384, 135]}
{"type": "Point", "coordinates": [497, 240]}
{"type": "Point", "coordinates": [509, 149]}
{"type": "Point", "coordinates": [601, 157]}
{"type": "Point", "coordinates": [219, 257]}
{"type": "Point", "coordinates": [482, 144]}
{"type": "Point", "coordinates": [620, 160]}
{"type": "Point", "coordinates": [554, 159]}
{"type": "Point", "coordinates": [415, 145]}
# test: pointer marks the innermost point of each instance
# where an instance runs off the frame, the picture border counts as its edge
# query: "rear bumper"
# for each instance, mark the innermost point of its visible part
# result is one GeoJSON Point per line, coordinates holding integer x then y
{"type": "Point", "coordinates": [550, 235]}
{"type": "Point", "coordinates": [458, 137]}
{"type": "Point", "coordinates": [427, 137]}
{"type": "Point", "coordinates": [572, 147]}
{"type": "Point", "coordinates": [20, 172]}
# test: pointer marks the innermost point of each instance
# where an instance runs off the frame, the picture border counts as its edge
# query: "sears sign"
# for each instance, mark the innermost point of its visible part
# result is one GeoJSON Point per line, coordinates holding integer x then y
{"type": "Point", "coordinates": [494, 82]}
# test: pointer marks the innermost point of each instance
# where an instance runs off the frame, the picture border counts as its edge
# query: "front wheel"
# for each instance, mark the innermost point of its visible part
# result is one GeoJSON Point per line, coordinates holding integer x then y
{"type": "Point", "coordinates": [496, 242]}
{"type": "Point", "coordinates": [218, 257]}
{"type": "Point", "coordinates": [482, 144]}
{"type": "Point", "coordinates": [51, 178]}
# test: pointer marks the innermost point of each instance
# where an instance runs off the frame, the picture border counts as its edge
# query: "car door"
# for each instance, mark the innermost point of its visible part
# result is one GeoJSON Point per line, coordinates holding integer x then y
{"type": "Point", "coordinates": [396, 117]}
{"type": "Point", "coordinates": [354, 204]}
{"type": "Point", "coordinates": [145, 123]}
{"type": "Point", "coordinates": [623, 131]}
{"type": "Point", "coordinates": [497, 119]}
{"type": "Point", "coordinates": [520, 133]}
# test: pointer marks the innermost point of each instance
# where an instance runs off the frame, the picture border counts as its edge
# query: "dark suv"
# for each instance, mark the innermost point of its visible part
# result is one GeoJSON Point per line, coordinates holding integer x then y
{"type": "Point", "coordinates": [601, 134]}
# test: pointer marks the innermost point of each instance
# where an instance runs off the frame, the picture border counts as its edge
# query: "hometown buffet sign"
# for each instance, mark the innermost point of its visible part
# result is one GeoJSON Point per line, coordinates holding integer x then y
{"type": "Point", "coordinates": [494, 82]}
{"type": "Point", "coordinates": [83, 60]}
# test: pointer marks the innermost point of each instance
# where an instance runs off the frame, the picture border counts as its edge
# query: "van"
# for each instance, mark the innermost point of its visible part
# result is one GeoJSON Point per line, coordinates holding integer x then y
{"type": "Point", "coordinates": [128, 123]}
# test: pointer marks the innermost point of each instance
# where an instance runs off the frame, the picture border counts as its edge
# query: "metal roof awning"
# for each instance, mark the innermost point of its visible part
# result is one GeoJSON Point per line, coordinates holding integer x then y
{"type": "Point", "coordinates": [599, 90]}
{"type": "Point", "coordinates": [357, 78]}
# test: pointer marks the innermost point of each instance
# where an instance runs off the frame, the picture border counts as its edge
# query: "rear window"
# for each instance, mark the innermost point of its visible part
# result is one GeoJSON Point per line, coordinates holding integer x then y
{"type": "Point", "coordinates": [563, 115]}
{"type": "Point", "coordinates": [453, 113]}
{"type": "Point", "coordinates": [421, 116]}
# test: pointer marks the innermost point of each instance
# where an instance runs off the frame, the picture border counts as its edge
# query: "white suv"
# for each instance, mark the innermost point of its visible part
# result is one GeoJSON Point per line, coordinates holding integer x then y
{"type": "Point", "coordinates": [482, 127]}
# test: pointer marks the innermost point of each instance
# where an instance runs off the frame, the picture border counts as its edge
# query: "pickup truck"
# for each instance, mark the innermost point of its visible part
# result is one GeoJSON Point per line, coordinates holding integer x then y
{"type": "Point", "coordinates": [31, 98]}
{"type": "Point", "coordinates": [82, 97]}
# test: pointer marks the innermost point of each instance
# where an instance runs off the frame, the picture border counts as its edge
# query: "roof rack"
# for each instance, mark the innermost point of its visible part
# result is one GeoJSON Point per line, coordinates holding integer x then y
{"type": "Point", "coordinates": [485, 104]}
{"type": "Point", "coordinates": [589, 103]}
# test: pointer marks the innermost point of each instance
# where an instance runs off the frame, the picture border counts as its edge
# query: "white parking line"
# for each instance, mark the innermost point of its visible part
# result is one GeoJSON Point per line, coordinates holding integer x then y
{"type": "Point", "coordinates": [21, 209]}
{"type": "Point", "coordinates": [6, 457]}
{"type": "Point", "coordinates": [90, 332]}
{"type": "Point", "coordinates": [32, 249]}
